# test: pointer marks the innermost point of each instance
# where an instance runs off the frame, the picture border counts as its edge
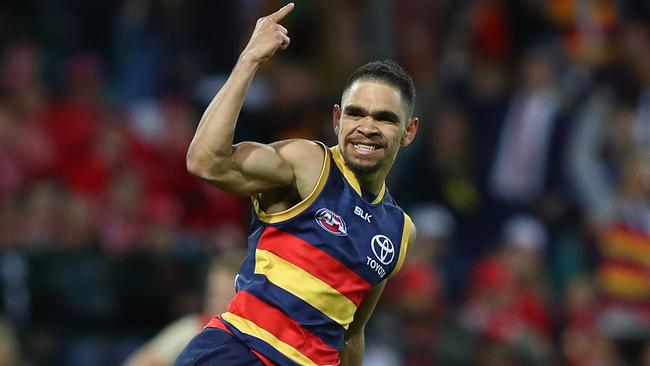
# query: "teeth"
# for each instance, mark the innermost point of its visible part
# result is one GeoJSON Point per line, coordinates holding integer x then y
{"type": "Point", "coordinates": [364, 147]}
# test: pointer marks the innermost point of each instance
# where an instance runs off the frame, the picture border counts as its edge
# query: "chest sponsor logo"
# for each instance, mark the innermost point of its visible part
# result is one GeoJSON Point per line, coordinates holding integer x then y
{"type": "Point", "coordinates": [364, 215]}
{"type": "Point", "coordinates": [383, 248]}
{"type": "Point", "coordinates": [331, 222]}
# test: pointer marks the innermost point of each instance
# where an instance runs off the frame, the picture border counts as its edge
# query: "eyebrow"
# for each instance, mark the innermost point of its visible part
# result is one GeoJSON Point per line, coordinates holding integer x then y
{"type": "Point", "coordinates": [383, 115]}
{"type": "Point", "coordinates": [386, 116]}
{"type": "Point", "coordinates": [353, 109]}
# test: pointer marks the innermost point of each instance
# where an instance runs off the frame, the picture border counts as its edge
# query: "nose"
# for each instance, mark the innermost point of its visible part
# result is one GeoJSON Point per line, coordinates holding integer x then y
{"type": "Point", "coordinates": [367, 127]}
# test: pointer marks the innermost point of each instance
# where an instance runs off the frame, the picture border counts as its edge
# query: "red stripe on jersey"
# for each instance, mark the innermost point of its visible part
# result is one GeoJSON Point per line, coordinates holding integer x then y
{"type": "Point", "coordinates": [283, 328]}
{"type": "Point", "coordinates": [216, 322]}
{"type": "Point", "coordinates": [264, 360]}
{"type": "Point", "coordinates": [316, 262]}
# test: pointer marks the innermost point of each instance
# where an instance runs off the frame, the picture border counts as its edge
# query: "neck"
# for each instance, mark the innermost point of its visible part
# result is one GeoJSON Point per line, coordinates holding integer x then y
{"type": "Point", "coordinates": [371, 182]}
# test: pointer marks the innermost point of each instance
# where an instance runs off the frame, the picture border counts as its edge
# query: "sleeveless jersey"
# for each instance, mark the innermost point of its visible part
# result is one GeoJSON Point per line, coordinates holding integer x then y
{"type": "Point", "coordinates": [308, 268]}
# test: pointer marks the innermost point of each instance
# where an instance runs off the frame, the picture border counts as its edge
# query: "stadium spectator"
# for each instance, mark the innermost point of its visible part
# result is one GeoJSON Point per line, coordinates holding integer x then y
{"type": "Point", "coordinates": [164, 347]}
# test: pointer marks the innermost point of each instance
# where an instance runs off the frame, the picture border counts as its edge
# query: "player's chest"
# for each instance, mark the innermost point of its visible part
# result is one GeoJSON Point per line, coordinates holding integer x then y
{"type": "Point", "coordinates": [367, 236]}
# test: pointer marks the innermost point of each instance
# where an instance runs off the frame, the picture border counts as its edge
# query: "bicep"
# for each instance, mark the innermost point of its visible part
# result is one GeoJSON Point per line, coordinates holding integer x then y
{"type": "Point", "coordinates": [253, 167]}
{"type": "Point", "coordinates": [256, 168]}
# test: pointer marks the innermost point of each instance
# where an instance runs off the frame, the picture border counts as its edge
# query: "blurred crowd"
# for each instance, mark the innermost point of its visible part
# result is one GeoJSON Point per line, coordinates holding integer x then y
{"type": "Point", "coordinates": [529, 181]}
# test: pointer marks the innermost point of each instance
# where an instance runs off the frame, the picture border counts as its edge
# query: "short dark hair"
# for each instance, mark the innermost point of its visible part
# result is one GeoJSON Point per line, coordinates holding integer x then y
{"type": "Point", "coordinates": [388, 72]}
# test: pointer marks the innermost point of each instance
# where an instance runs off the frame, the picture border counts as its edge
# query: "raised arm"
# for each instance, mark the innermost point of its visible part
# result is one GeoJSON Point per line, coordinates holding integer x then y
{"type": "Point", "coordinates": [246, 168]}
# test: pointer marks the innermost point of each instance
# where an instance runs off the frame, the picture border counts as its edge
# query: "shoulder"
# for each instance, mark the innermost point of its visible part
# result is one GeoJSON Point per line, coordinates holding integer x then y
{"type": "Point", "coordinates": [408, 239]}
{"type": "Point", "coordinates": [408, 228]}
{"type": "Point", "coordinates": [412, 232]}
{"type": "Point", "coordinates": [300, 151]}
{"type": "Point", "coordinates": [409, 233]}
{"type": "Point", "coordinates": [307, 160]}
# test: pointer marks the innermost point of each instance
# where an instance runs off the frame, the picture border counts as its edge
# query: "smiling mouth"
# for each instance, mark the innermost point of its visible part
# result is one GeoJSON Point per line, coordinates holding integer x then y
{"type": "Point", "coordinates": [364, 147]}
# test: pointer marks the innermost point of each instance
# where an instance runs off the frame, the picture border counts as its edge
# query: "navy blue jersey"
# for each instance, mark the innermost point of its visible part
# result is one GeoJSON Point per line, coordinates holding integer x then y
{"type": "Point", "coordinates": [308, 268]}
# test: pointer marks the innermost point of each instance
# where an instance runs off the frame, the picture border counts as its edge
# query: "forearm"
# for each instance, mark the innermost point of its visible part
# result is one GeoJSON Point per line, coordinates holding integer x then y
{"type": "Point", "coordinates": [353, 350]}
{"type": "Point", "coordinates": [211, 155]}
{"type": "Point", "coordinates": [213, 138]}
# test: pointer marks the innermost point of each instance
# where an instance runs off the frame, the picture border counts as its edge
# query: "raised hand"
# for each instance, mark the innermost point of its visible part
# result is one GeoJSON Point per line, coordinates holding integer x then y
{"type": "Point", "coordinates": [268, 36]}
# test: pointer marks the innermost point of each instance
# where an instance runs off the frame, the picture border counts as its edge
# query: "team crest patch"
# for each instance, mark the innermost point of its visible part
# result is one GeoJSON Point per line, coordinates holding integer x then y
{"type": "Point", "coordinates": [331, 222]}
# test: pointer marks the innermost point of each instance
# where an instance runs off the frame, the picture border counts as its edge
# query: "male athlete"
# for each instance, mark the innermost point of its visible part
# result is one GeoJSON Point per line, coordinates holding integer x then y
{"type": "Point", "coordinates": [326, 234]}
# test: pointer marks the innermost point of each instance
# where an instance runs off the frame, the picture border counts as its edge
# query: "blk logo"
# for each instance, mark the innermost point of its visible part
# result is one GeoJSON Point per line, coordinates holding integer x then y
{"type": "Point", "coordinates": [364, 215]}
{"type": "Point", "coordinates": [383, 248]}
{"type": "Point", "coordinates": [331, 222]}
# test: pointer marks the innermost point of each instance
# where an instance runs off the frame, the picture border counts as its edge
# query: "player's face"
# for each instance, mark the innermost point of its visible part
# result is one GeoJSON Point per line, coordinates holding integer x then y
{"type": "Point", "coordinates": [371, 124]}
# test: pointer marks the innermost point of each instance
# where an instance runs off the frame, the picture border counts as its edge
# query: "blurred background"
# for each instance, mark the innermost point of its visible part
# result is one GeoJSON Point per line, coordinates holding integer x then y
{"type": "Point", "coordinates": [529, 181]}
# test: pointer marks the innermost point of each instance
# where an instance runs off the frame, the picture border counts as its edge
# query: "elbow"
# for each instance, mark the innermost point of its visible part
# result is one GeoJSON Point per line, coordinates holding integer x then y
{"type": "Point", "coordinates": [202, 165]}
{"type": "Point", "coordinates": [193, 166]}
{"type": "Point", "coordinates": [193, 163]}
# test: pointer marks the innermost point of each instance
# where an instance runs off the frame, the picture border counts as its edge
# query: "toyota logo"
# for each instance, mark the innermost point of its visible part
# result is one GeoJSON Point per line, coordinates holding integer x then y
{"type": "Point", "coordinates": [383, 248]}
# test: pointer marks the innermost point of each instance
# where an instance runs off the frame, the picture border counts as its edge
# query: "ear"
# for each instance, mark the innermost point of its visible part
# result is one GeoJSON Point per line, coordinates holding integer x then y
{"type": "Point", "coordinates": [411, 131]}
{"type": "Point", "coordinates": [336, 118]}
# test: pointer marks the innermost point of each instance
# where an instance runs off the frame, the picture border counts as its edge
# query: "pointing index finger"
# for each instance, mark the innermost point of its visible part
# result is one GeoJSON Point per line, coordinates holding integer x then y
{"type": "Point", "coordinates": [282, 12]}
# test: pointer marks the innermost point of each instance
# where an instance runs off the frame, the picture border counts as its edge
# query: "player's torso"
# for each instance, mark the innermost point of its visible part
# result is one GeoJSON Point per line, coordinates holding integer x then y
{"type": "Point", "coordinates": [362, 233]}
{"type": "Point", "coordinates": [363, 236]}
{"type": "Point", "coordinates": [312, 266]}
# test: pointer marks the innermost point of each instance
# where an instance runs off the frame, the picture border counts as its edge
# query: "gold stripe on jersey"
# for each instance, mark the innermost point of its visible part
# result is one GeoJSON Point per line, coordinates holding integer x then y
{"type": "Point", "coordinates": [406, 233]}
{"type": "Point", "coordinates": [247, 327]}
{"type": "Point", "coordinates": [305, 286]}
{"type": "Point", "coordinates": [380, 195]}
